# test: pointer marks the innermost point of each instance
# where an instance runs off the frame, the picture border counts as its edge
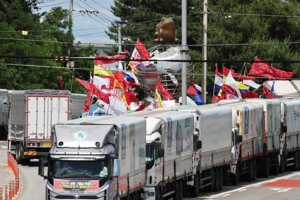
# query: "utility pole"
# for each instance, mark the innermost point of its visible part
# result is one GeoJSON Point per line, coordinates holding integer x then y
{"type": "Point", "coordinates": [120, 67]}
{"type": "Point", "coordinates": [70, 24]}
{"type": "Point", "coordinates": [204, 51]}
{"type": "Point", "coordinates": [184, 50]}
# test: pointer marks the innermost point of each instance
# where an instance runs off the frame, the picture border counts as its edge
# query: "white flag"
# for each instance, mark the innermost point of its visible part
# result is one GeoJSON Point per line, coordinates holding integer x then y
{"type": "Point", "coordinates": [98, 81]}
{"type": "Point", "coordinates": [232, 83]}
{"type": "Point", "coordinates": [218, 80]}
{"type": "Point", "coordinates": [251, 83]}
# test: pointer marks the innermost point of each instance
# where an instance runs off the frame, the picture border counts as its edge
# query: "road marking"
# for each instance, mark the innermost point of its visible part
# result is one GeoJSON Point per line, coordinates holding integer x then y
{"type": "Point", "coordinates": [3, 147]}
{"type": "Point", "coordinates": [280, 189]}
{"type": "Point", "coordinates": [254, 185]}
{"type": "Point", "coordinates": [226, 195]}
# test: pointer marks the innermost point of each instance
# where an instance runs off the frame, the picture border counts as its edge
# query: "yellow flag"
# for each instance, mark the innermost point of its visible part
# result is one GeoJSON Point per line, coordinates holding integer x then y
{"type": "Point", "coordinates": [242, 86]}
{"type": "Point", "coordinates": [102, 71]}
{"type": "Point", "coordinates": [158, 99]}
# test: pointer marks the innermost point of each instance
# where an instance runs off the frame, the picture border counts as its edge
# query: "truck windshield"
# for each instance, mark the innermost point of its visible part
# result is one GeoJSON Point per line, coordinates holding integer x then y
{"type": "Point", "coordinates": [149, 152]}
{"type": "Point", "coordinates": [79, 169]}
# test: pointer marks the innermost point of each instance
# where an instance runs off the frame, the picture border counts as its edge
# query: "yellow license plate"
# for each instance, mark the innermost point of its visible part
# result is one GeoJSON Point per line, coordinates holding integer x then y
{"type": "Point", "coordinates": [47, 144]}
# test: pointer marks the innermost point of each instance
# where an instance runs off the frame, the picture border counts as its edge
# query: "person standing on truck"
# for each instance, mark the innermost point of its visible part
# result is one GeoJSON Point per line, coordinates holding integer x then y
{"type": "Point", "coordinates": [96, 109]}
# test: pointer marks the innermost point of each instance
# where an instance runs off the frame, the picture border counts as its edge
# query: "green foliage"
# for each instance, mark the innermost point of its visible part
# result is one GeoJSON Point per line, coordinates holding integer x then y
{"type": "Point", "coordinates": [24, 68]}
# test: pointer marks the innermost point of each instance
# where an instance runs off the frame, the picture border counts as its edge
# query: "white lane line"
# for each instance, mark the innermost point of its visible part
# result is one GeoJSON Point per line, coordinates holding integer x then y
{"type": "Point", "coordinates": [242, 190]}
{"type": "Point", "coordinates": [226, 195]}
{"type": "Point", "coordinates": [255, 185]}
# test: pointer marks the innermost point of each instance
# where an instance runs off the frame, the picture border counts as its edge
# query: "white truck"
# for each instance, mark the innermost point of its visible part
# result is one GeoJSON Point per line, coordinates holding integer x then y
{"type": "Point", "coordinates": [31, 116]}
{"type": "Point", "coordinates": [272, 135]}
{"type": "Point", "coordinates": [212, 146]}
{"type": "Point", "coordinates": [169, 153]}
{"type": "Point", "coordinates": [97, 157]}
{"type": "Point", "coordinates": [247, 122]}
{"type": "Point", "coordinates": [290, 119]}
{"type": "Point", "coordinates": [77, 104]}
{"type": "Point", "coordinates": [3, 113]}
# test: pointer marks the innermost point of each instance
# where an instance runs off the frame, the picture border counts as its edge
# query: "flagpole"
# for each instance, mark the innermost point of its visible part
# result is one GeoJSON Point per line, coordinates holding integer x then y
{"type": "Point", "coordinates": [184, 50]}
{"type": "Point", "coordinates": [204, 50]}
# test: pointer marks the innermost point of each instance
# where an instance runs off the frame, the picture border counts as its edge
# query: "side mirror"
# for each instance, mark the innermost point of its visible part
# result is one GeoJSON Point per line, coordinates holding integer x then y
{"type": "Point", "coordinates": [284, 129]}
{"type": "Point", "coordinates": [42, 163]}
{"type": "Point", "coordinates": [116, 172]}
{"type": "Point", "coordinates": [199, 145]}
{"type": "Point", "coordinates": [239, 138]}
{"type": "Point", "coordinates": [161, 153]}
{"type": "Point", "coordinates": [149, 164]}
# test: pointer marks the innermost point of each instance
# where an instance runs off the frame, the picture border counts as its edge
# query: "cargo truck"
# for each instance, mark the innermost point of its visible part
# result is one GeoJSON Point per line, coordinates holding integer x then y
{"type": "Point", "coordinates": [96, 157]}
{"type": "Point", "coordinates": [77, 104]}
{"type": "Point", "coordinates": [4, 108]}
{"type": "Point", "coordinates": [290, 139]}
{"type": "Point", "coordinates": [272, 134]}
{"type": "Point", "coordinates": [247, 122]}
{"type": "Point", "coordinates": [169, 153]}
{"type": "Point", "coordinates": [213, 146]}
{"type": "Point", "coordinates": [31, 116]}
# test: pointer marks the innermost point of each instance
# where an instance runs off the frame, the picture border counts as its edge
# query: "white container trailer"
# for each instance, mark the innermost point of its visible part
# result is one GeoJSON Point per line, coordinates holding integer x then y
{"type": "Point", "coordinates": [169, 152]}
{"type": "Point", "coordinates": [77, 104]}
{"type": "Point", "coordinates": [271, 134]}
{"type": "Point", "coordinates": [248, 123]}
{"type": "Point", "coordinates": [32, 114]}
{"type": "Point", "coordinates": [213, 143]}
{"type": "Point", "coordinates": [3, 112]}
{"type": "Point", "coordinates": [105, 155]}
{"type": "Point", "coordinates": [291, 136]}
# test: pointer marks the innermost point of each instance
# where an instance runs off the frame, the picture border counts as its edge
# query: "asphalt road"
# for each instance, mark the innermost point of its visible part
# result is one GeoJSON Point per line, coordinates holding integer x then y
{"type": "Point", "coordinates": [283, 187]}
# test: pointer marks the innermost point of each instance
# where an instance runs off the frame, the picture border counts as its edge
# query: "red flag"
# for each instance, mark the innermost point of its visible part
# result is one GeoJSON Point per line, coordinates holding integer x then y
{"type": "Point", "coordinates": [141, 106]}
{"type": "Point", "coordinates": [236, 75]}
{"type": "Point", "coordinates": [61, 83]}
{"type": "Point", "coordinates": [85, 84]}
{"type": "Point", "coordinates": [100, 59]}
{"type": "Point", "coordinates": [267, 93]}
{"type": "Point", "coordinates": [162, 90]}
{"type": "Point", "coordinates": [249, 94]}
{"type": "Point", "coordinates": [217, 71]}
{"type": "Point", "coordinates": [142, 49]}
{"type": "Point", "coordinates": [191, 90]}
{"type": "Point", "coordinates": [260, 68]}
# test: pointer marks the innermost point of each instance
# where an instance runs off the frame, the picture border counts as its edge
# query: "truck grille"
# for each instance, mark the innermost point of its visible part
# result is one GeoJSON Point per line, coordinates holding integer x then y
{"type": "Point", "coordinates": [75, 197]}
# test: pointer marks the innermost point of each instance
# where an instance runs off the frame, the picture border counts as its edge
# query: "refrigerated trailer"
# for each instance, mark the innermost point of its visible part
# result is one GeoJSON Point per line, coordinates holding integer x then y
{"type": "Point", "coordinates": [31, 116]}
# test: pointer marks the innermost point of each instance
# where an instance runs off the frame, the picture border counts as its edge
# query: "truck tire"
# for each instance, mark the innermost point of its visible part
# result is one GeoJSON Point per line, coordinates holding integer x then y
{"type": "Point", "coordinates": [282, 163]}
{"type": "Point", "coordinates": [178, 190]}
{"type": "Point", "coordinates": [296, 161]}
{"type": "Point", "coordinates": [254, 169]}
{"type": "Point", "coordinates": [250, 172]}
{"type": "Point", "coordinates": [195, 190]}
{"type": "Point", "coordinates": [19, 154]}
{"type": "Point", "coordinates": [276, 167]}
{"type": "Point", "coordinates": [211, 187]}
{"type": "Point", "coordinates": [266, 167]}
{"type": "Point", "coordinates": [235, 178]}
{"type": "Point", "coordinates": [217, 180]}
{"type": "Point", "coordinates": [158, 193]}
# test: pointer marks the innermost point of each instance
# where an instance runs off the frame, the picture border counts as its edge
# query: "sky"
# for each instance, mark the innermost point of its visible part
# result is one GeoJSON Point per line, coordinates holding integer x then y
{"type": "Point", "coordinates": [91, 18]}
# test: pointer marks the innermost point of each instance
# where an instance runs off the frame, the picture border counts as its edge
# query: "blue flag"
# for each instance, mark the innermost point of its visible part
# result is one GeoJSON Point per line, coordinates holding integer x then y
{"type": "Point", "coordinates": [198, 99]}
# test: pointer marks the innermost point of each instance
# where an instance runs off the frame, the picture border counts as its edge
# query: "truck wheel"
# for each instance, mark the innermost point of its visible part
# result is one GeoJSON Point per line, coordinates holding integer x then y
{"type": "Point", "coordinates": [178, 190]}
{"type": "Point", "coordinates": [266, 167]}
{"type": "Point", "coordinates": [158, 194]}
{"type": "Point", "coordinates": [196, 188]}
{"type": "Point", "coordinates": [235, 177]}
{"type": "Point", "coordinates": [217, 180]}
{"type": "Point", "coordinates": [296, 161]}
{"type": "Point", "coordinates": [220, 178]}
{"type": "Point", "coordinates": [19, 154]}
{"type": "Point", "coordinates": [254, 169]}
{"type": "Point", "coordinates": [282, 163]}
{"type": "Point", "coordinates": [250, 172]}
{"type": "Point", "coordinates": [211, 187]}
{"type": "Point", "coordinates": [276, 167]}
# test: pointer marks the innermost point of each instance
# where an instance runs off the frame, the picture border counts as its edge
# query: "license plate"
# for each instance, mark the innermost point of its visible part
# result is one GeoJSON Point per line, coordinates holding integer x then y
{"type": "Point", "coordinates": [47, 144]}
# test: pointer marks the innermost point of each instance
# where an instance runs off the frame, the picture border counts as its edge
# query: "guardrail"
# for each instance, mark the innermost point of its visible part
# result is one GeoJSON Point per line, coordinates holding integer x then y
{"type": "Point", "coordinates": [11, 190]}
